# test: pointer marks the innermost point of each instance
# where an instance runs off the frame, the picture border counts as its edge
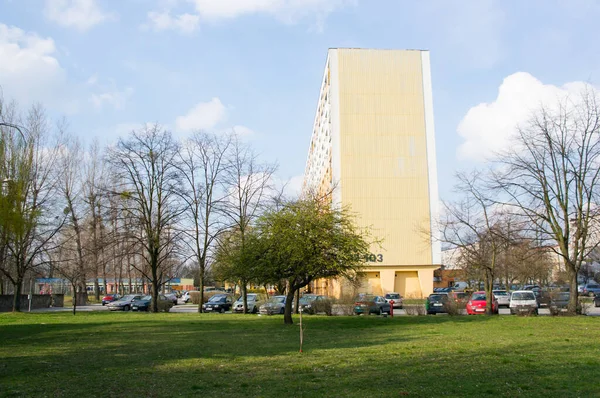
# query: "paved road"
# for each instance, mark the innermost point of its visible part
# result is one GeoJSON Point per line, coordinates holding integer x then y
{"type": "Point", "coordinates": [191, 308]}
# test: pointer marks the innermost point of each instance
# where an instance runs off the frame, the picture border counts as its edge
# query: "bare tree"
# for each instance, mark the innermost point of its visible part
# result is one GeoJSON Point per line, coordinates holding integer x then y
{"type": "Point", "coordinates": [144, 164]}
{"type": "Point", "coordinates": [203, 164]}
{"type": "Point", "coordinates": [550, 177]}
{"type": "Point", "coordinates": [93, 185]}
{"type": "Point", "coordinates": [71, 188]}
{"type": "Point", "coordinates": [249, 186]}
{"type": "Point", "coordinates": [31, 212]}
{"type": "Point", "coordinates": [472, 226]}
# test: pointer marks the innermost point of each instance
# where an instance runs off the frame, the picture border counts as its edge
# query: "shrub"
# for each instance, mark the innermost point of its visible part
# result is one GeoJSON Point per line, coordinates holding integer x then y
{"type": "Point", "coordinates": [195, 296]}
{"type": "Point", "coordinates": [345, 304]}
{"type": "Point", "coordinates": [415, 309]}
{"type": "Point", "coordinates": [454, 307]}
{"type": "Point", "coordinates": [322, 306]}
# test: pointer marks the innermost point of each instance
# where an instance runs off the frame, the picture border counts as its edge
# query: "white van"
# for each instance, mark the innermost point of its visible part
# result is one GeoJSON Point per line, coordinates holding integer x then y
{"type": "Point", "coordinates": [460, 286]}
{"type": "Point", "coordinates": [523, 301]}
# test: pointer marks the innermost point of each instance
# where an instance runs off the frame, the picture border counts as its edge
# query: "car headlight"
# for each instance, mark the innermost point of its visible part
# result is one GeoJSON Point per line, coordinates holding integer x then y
{"type": "Point", "coordinates": [216, 305]}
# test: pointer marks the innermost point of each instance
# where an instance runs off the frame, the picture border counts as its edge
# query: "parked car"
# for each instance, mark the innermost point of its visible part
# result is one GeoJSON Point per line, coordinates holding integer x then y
{"type": "Point", "coordinates": [308, 301]}
{"type": "Point", "coordinates": [109, 298]}
{"type": "Point", "coordinates": [275, 305]}
{"type": "Point", "coordinates": [172, 297]}
{"type": "Point", "coordinates": [218, 303]}
{"type": "Point", "coordinates": [369, 304]}
{"type": "Point", "coordinates": [185, 297]}
{"type": "Point", "coordinates": [478, 302]}
{"type": "Point", "coordinates": [559, 301]}
{"type": "Point", "coordinates": [591, 289]}
{"type": "Point", "coordinates": [145, 303]}
{"type": "Point", "coordinates": [436, 303]}
{"type": "Point", "coordinates": [503, 297]}
{"type": "Point", "coordinates": [253, 300]}
{"type": "Point", "coordinates": [461, 297]}
{"type": "Point", "coordinates": [124, 303]}
{"type": "Point", "coordinates": [523, 301]}
{"type": "Point", "coordinates": [396, 297]}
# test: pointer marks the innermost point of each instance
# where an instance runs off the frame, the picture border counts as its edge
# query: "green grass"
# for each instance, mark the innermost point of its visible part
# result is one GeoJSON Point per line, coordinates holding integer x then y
{"type": "Point", "coordinates": [210, 355]}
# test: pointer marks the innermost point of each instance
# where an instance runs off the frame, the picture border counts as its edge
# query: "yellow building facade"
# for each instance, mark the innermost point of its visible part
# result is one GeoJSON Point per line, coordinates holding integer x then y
{"type": "Point", "coordinates": [373, 147]}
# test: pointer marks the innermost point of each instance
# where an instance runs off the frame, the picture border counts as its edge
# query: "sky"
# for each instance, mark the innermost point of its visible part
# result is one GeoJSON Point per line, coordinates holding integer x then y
{"type": "Point", "coordinates": [255, 66]}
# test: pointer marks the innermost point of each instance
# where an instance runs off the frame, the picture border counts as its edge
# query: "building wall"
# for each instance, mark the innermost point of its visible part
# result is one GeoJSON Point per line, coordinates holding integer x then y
{"type": "Point", "coordinates": [373, 145]}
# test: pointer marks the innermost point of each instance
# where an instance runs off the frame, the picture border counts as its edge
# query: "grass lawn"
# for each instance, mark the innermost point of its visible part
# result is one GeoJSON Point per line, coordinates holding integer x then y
{"type": "Point", "coordinates": [209, 355]}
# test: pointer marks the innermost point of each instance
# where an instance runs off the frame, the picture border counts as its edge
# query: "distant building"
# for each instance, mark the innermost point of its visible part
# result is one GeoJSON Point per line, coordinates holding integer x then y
{"type": "Point", "coordinates": [373, 144]}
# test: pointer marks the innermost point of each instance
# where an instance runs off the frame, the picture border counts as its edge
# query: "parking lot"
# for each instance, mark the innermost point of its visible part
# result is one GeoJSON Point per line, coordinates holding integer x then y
{"type": "Point", "coordinates": [191, 308]}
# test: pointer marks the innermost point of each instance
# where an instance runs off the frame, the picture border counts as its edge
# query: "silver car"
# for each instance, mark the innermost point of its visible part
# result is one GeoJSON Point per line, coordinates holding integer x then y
{"type": "Point", "coordinates": [396, 297]}
{"type": "Point", "coordinates": [254, 301]}
{"type": "Point", "coordinates": [503, 297]}
{"type": "Point", "coordinates": [125, 303]}
{"type": "Point", "coordinates": [275, 305]}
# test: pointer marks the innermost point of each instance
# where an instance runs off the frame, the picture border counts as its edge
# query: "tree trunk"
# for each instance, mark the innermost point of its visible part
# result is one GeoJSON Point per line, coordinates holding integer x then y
{"type": "Point", "coordinates": [97, 288]}
{"type": "Point", "coordinates": [74, 284]}
{"type": "Point", "coordinates": [245, 296]}
{"type": "Point", "coordinates": [489, 297]}
{"type": "Point", "coordinates": [287, 315]}
{"type": "Point", "coordinates": [201, 277]}
{"type": "Point", "coordinates": [573, 299]}
{"type": "Point", "coordinates": [17, 295]}
{"type": "Point", "coordinates": [155, 285]}
{"type": "Point", "coordinates": [296, 308]}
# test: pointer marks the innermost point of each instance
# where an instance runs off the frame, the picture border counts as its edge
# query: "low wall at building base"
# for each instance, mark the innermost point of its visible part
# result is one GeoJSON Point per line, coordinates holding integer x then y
{"type": "Point", "coordinates": [37, 301]}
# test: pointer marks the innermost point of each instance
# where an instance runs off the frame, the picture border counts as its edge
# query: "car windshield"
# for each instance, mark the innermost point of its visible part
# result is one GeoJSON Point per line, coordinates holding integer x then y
{"type": "Point", "coordinates": [146, 298]}
{"type": "Point", "coordinates": [277, 299]}
{"type": "Point", "coordinates": [437, 297]}
{"type": "Point", "coordinates": [129, 297]}
{"type": "Point", "coordinates": [250, 297]}
{"type": "Point", "coordinates": [500, 293]}
{"type": "Point", "coordinates": [593, 286]}
{"type": "Point", "coordinates": [563, 296]}
{"type": "Point", "coordinates": [523, 296]}
{"type": "Point", "coordinates": [478, 297]}
{"type": "Point", "coordinates": [365, 297]}
{"type": "Point", "coordinates": [392, 296]}
{"type": "Point", "coordinates": [307, 299]}
{"type": "Point", "coordinates": [217, 298]}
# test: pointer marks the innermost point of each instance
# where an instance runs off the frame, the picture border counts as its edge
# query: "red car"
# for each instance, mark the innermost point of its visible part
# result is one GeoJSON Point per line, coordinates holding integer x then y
{"type": "Point", "coordinates": [109, 298]}
{"type": "Point", "coordinates": [477, 303]}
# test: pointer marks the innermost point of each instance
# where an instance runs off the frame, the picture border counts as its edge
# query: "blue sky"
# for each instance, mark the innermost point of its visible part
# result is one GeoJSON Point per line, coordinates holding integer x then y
{"type": "Point", "coordinates": [256, 65]}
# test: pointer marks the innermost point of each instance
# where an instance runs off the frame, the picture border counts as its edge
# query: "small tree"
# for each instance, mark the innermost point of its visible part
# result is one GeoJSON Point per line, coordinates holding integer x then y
{"type": "Point", "coordinates": [309, 239]}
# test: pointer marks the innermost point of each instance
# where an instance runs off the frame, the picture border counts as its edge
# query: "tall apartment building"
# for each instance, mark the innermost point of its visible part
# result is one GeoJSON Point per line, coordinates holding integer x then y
{"type": "Point", "coordinates": [373, 143]}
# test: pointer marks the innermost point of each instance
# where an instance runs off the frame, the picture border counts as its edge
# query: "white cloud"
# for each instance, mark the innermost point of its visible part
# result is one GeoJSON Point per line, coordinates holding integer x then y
{"type": "Point", "coordinates": [29, 69]}
{"type": "Point", "coordinates": [115, 98]}
{"type": "Point", "coordinates": [212, 11]}
{"type": "Point", "coordinates": [203, 116]}
{"type": "Point", "coordinates": [78, 14]}
{"type": "Point", "coordinates": [184, 23]}
{"type": "Point", "coordinates": [488, 127]}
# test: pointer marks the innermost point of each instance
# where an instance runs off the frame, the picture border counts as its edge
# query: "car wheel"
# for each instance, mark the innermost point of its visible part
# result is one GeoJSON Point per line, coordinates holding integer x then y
{"type": "Point", "coordinates": [380, 312]}
{"type": "Point", "coordinates": [222, 310]}
{"type": "Point", "coordinates": [596, 304]}
{"type": "Point", "coordinates": [255, 310]}
{"type": "Point", "coordinates": [282, 311]}
{"type": "Point", "coordinates": [126, 308]}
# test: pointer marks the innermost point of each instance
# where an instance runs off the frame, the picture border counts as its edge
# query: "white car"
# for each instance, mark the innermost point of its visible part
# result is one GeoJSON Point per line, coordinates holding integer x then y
{"type": "Point", "coordinates": [503, 297]}
{"type": "Point", "coordinates": [185, 297]}
{"type": "Point", "coordinates": [523, 301]}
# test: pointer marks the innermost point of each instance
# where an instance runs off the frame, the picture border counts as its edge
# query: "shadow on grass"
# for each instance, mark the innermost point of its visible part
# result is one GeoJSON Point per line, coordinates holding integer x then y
{"type": "Point", "coordinates": [228, 355]}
